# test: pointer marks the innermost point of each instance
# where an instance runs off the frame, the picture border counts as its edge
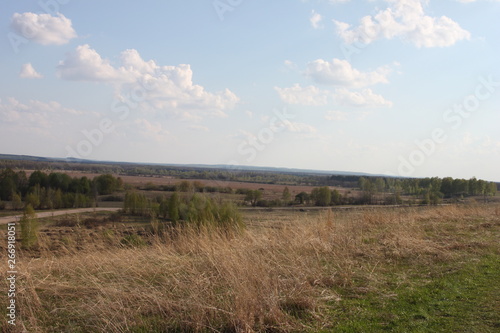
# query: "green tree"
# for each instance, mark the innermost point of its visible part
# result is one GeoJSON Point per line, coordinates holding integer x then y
{"type": "Point", "coordinates": [492, 189]}
{"type": "Point", "coordinates": [321, 196]}
{"type": "Point", "coordinates": [336, 197]}
{"type": "Point", "coordinates": [136, 204]}
{"type": "Point", "coordinates": [17, 203]}
{"type": "Point", "coordinates": [380, 185]}
{"type": "Point", "coordinates": [57, 198]}
{"type": "Point", "coordinates": [33, 200]}
{"type": "Point", "coordinates": [302, 198]}
{"type": "Point", "coordinates": [253, 196]}
{"type": "Point", "coordinates": [163, 209]}
{"type": "Point", "coordinates": [473, 186]}
{"type": "Point", "coordinates": [7, 184]}
{"type": "Point", "coordinates": [38, 177]}
{"type": "Point", "coordinates": [368, 188]}
{"type": "Point", "coordinates": [46, 199]}
{"type": "Point", "coordinates": [29, 228]}
{"type": "Point", "coordinates": [107, 184]}
{"type": "Point", "coordinates": [447, 187]}
{"type": "Point", "coordinates": [174, 207]}
{"type": "Point", "coordinates": [286, 196]}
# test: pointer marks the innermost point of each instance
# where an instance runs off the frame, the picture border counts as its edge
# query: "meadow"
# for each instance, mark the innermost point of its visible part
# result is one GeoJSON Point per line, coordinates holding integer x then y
{"type": "Point", "coordinates": [389, 269]}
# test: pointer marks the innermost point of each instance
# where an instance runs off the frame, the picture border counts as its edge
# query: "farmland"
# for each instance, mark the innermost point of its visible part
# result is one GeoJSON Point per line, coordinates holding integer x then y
{"type": "Point", "coordinates": [211, 261]}
{"type": "Point", "coordinates": [412, 269]}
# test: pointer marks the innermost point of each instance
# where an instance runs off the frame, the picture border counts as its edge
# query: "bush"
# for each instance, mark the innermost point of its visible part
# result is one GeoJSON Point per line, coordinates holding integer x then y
{"type": "Point", "coordinates": [29, 228]}
{"type": "Point", "coordinates": [205, 211]}
{"type": "Point", "coordinates": [133, 240]}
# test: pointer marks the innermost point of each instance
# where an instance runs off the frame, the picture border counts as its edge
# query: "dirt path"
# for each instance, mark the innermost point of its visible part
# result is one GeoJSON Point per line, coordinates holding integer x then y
{"type": "Point", "coordinates": [8, 219]}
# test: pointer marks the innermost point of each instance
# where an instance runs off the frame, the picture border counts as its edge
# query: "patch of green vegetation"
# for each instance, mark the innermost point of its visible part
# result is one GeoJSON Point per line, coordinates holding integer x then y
{"type": "Point", "coordinates": [465, 299]}
{"type": "Point", "coordinates": [133, 240]}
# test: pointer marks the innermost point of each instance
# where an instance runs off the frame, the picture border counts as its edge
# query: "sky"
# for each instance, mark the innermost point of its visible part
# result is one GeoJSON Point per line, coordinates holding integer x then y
{"type": "Point", "coordinates": [398, 87]}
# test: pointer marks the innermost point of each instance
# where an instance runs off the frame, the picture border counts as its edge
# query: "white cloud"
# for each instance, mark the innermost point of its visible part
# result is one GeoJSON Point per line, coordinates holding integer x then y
{"type": "Point", "coordinates": [334, 115]}
{"type": "Point", "coordinates": [28, 72]}
{"type": "Point", "coordinates": [315, 20]}
{"type": "Point", "coordinates": [404, 19]}
{"type": "Point", "coordinates": [340, 73]}
{"type": "Point", "coordinates": [85, 64]}
{"type": "Point", "coordinates": [363, 98]}
{"type": "Point", "coordinates": [43, 29]}
{"type": "Point", "coordinates": [311, 95]}
{"type": "Point", "coordinates": [151, 130]}
{"type": "Point", "coordinates": [168, 88]}
{"type": "Point", "coordinates": [290, 64]}
{"type": "Point", "coordinates": [37, 116]}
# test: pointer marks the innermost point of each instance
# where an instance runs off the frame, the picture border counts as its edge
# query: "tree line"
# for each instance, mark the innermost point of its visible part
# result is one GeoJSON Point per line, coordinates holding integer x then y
{"type": "Point", "coordinates": [379, 190]}
{"type": "Point", "coordinates": [429, 190]}
{"type": "Point", "coordinates": [53, 190]}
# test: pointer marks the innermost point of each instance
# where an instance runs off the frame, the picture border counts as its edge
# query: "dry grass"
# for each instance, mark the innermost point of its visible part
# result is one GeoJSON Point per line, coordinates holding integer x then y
{"type": "Point", "coordinates": [263, 279]}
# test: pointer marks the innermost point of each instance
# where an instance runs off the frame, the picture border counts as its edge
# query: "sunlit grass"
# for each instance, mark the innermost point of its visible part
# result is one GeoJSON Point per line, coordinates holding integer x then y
{"type": "Point", "coordinates": [419, 269]}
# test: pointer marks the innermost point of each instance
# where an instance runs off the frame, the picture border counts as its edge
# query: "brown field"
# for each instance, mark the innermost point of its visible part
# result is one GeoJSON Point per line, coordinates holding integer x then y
{"type": "Point", "coordinates": [292, 269]}
{"type": "Point", "coordinates": [288, 271]}
{"type": "Point", "coordinates": [271, 191]}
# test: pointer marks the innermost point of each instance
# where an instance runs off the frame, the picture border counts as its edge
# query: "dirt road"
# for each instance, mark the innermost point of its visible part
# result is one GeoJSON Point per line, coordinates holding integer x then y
{"type": "Point", "coordinates": [8, 219]}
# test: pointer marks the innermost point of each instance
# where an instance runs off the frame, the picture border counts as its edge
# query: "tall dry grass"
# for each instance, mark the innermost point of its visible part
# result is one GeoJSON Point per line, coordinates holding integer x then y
{"type": "Point", "coordinates": [261, 279]}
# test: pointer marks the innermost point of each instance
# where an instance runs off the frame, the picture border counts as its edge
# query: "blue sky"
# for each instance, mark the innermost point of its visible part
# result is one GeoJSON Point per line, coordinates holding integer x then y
{"type": "Point", "coordinates": [400, 87]}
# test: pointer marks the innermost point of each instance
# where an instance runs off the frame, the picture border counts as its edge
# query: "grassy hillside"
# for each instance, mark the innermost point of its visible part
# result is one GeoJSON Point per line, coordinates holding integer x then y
{"type": "Point", "coordinates": [428, 269]}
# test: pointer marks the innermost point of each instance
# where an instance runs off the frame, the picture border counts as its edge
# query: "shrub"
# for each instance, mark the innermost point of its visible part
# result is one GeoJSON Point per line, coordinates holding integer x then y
{"type": "Point", "coordinates": [29, 228]}
{"type": "Point", "coordinates": [133, 240]}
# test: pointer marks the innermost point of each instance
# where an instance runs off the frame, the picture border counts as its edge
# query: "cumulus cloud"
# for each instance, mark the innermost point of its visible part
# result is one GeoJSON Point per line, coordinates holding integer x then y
{"type": "Point", "coordinates": [315, 20]}
{"type": "Point", "coordinates": [43, 29]}
{"type": "Point", "coordinates": [340, 73]}
{"type": "Point", "coordinates": [364, 98]}
{"type": "Point", "coordinates": [404, 19]}
{"type": "Point", "coordinates": [310, 95]}
{"type": "Point", "coordinates": [168, 88]}
{"type": "Point", "coordinates": [85, 64]}
{"type": "Point", "coordinates": [28, 72]}
{"type": "Point", "coordinates": [37, 115]}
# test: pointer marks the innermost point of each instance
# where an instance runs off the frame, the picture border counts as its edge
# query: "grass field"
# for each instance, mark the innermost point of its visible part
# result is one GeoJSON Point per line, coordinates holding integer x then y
{"type": "Point", "coordinates": [424, 269]}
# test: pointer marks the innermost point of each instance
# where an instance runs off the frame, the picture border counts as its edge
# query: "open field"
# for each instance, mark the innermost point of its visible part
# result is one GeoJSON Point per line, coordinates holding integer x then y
{"type": "Point", "coordinates": [166, 180]}
{"type": "Point", "coordinates": [271, 191]}
{"type": "Point", "coordinates": [14, 218]}
{"type": "Point", "coordinates": [423, 269]}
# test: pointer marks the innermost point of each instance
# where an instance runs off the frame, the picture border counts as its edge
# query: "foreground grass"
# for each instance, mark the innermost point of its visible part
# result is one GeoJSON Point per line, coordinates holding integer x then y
{"type": "Point", "coordinates": [466, 300]}
{"type": "Point", "coordinates": [400, 270]}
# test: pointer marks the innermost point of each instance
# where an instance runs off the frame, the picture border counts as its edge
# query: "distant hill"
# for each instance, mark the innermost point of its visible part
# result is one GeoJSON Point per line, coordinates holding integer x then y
{"type": "Point", "coordinates": [194, 166]}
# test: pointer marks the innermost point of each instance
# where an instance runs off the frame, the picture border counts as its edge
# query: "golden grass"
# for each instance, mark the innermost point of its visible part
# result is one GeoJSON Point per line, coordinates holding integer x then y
{"type": "Point", "coordinates": [262, 279]}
